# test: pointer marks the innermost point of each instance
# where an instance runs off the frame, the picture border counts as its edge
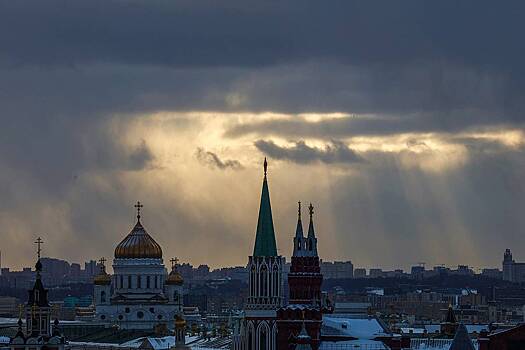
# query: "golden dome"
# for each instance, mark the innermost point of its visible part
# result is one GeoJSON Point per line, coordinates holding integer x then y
{"type": "Point", "coordinates": [175, 278]}
{"type": "Point", "coordinates": [138, 244]}
{"type": "Point", "coordinates": [102, 278]}
{"type": "Point", "coordinates": [180, 322]}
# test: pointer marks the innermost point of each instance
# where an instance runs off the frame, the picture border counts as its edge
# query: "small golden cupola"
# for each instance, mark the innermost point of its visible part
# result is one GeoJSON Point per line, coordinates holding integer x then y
{"type": "Point", "coordinates": [174, 278]}
{"type": "Point", "coordinates": [138, 244]}
{"type": "Point", "coordinates": [103, 278]}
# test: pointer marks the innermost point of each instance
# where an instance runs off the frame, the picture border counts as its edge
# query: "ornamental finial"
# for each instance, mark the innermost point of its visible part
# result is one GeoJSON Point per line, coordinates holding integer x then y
{"type": "Point", "coordinates": [311, 210]}
{"type": "Point", "coordinates": [299, 210]}
{"type": "Point", "coordinates": [38, 243]}
{"type": "Point", "coordinates": [265, 166]}
{"type": "Point", "coordinates": [138, 206]}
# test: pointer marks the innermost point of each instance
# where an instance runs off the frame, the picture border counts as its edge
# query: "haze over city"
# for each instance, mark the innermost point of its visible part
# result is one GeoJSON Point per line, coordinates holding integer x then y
{"type": "Point", "coordinates": [404, 131]}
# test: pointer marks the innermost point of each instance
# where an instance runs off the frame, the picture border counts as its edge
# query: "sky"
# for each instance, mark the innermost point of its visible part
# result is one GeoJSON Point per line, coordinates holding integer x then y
{"type": "Point", "coordinates": [401, 121]}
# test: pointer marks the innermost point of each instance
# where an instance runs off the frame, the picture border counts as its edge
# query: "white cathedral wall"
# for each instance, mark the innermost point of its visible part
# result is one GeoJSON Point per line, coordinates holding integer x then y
{"type": "Point", "coordinates": [138, 270]}
{"type": "Point", "coordinates": [137, 316]}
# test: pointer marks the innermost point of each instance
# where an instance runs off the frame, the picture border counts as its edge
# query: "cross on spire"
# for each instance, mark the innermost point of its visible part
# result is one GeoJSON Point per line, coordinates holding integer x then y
{"type": "Point", "coordinates": [299, 209]}
{"type": "Point", "coordinates": [265, 166]}
{"type": "Point", "coordinates": [138, 206]}
{"type": "Point", "coordinates": [174, 262]}
{"type": "Point", "coordinates": [38, 243]}
{"type": "Point", "coordinates": [102, 261]}
{"type": "Point", "coordinates": [311, 209]}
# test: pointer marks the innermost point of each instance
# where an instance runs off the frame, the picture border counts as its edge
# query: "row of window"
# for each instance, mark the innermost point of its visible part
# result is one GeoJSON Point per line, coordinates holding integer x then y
{"type": "Point", "coordinates": [139, 282]}
{"type": "Point", "coordinates": [265, 283]}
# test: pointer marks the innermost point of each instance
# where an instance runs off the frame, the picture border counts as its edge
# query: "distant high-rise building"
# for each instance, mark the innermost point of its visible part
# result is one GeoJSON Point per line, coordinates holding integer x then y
{"type": "Point", "coordinates": [512, 271]}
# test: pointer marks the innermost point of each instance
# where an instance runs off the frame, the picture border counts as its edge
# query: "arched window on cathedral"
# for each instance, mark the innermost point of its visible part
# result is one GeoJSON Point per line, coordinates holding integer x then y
{"type": "Point", "coordinates": [263, 338]}
{"type": "Point", "coordinates": [103, 297]}
{"type": "Point", "coordinates": [147, 282]}
{"type": "Point", "coordinates": [121, 281]}
{"type": "Point", "coordinates": [139, 282]}
{"type": "Point", "coordinates": [129, 281]}
{"type": "Point", "coordinates": [156, 282]}
{"type": "Point", "coordinates": [175, 296]}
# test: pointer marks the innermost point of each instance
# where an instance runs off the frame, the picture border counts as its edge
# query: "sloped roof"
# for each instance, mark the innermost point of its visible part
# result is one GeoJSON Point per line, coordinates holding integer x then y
{"type": "Point", "coordinates": [461, 340]}
{"type": "Point", "coordinates": [265, 236]}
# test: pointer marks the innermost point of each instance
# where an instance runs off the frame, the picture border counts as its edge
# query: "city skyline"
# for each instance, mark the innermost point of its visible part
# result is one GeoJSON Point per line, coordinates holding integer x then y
{"type": "Point", "coordinates": [405, 134]}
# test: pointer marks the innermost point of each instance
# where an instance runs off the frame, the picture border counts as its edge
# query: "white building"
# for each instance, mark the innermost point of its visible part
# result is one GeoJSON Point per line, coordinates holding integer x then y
{"type": "Point", "coordinates": [140, 294]}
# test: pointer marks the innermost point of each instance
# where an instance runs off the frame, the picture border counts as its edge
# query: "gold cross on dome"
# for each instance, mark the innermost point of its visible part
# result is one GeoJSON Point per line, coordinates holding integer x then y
{"type": "Point", "coordinates": [102, 261]}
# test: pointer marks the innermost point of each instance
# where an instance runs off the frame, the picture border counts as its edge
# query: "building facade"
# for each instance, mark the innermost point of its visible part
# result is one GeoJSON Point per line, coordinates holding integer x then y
{"type": "Point", "coordinates": [140, 294]}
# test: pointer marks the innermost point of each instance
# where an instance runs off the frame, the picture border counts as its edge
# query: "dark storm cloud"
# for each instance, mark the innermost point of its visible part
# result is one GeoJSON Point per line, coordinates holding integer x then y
{"type": "Point", "coordinates": [70, 69]}
{"type": "Point", "coordinates": [205, 33]}
{"type": "Point", "coordinates": [211, 159]}
{"type": "Point", "coordinates": [300, 152]}
{"type": "Point", "coordinates": [447, 64]}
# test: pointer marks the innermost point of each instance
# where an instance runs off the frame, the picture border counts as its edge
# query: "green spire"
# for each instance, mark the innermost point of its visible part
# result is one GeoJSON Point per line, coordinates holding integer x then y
{"type": "Point", "coordinates": [265, 236]}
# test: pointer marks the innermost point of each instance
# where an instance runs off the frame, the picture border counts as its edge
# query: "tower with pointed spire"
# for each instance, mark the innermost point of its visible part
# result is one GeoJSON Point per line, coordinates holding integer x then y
{"type": "Point", "coordinates": [265, 280]}
{"type": "Point", "coordinates": [40, 332]}
{"type": "Point", "coordinates": [305, 307]}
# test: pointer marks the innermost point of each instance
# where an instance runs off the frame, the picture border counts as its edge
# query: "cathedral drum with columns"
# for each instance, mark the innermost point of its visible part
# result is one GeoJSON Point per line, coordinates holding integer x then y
{"type": "Point", "coordinates": [140, 294]}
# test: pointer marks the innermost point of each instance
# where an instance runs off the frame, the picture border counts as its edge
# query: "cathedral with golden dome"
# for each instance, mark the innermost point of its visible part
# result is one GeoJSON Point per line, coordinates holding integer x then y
{"type": "Point", "coordinates": [140, 294]}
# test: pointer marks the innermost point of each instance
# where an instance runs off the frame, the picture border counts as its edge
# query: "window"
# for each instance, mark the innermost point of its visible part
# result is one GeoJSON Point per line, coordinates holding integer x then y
{"type": "Point", "coordinates": [139, 282]}
{"type": "Point", "coordinates": [120, 317]}
{"type": "Point", "coordinates": [262, 338]}
{"type": "Point", "coordinates": [127, 310]}
{"type": "Point", "coordinates": [121, 281]}
{"type": "Point", "coordinates": [147, 282]}
{"type": "Point", "coordinates": [156, 284]}
{"type": "Point", "coordinates": [140, 314]}
{"type": "Point", "coordinates": [103, 297]}
{"type": "Point", "coordinates": [129, 281]}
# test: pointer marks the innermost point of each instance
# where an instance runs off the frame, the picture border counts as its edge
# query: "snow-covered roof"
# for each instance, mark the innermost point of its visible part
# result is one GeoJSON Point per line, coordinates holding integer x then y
{"type": "Point", "coordinates": [471, 328]}
{"type": "Point", "coordinates": [5, 340]}
{"type": "Point", "coordinates": [360, 328]}
{"type": "Point", "coordinates": [193, 342]}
